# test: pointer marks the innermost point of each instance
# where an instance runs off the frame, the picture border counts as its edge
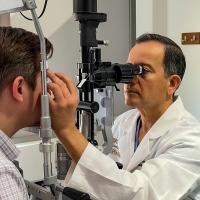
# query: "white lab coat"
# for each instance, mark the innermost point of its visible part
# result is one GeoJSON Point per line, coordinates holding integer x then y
{"type": "Point", "coordinates": [165, 166]}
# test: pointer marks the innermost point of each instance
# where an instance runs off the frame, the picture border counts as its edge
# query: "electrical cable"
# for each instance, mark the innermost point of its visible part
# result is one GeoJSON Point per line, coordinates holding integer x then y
{"type": "Point", "coordinates": [43, 10]}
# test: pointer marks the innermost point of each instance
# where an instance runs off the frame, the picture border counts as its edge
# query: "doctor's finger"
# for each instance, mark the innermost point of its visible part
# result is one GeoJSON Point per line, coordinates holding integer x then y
{"type": "Point", "coordinates": [56, 90]}
{"type": "Point", "coordinates": [55, 79]}
{"type": "Point", "coordinates": [69, 83]}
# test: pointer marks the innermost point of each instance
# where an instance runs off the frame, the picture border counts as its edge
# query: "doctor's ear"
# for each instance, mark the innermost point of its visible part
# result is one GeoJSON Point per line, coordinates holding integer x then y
{"type": "Point", "coordinates": [18, 86]}
{"type": "Point", "coordinates": [174, 82]}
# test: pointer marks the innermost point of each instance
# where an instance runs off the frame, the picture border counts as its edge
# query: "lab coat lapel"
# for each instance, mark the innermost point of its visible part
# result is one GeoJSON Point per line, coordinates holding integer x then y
{"type": "Point", "coordinates": [163, 124]}
{"type": "Point", "coordinates": [126, 142]}
{"type": "Point", "coordinates": [140, 154]}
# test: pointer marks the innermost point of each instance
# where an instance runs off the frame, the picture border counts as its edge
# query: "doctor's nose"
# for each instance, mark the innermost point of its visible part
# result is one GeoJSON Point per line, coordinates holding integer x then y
{"type": "Point", "coordinates": [133, 81]}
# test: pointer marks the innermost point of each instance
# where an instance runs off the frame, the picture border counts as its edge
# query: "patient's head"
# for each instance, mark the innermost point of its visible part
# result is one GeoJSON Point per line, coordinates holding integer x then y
{"type": "Point", "coordinates": [20, 55]}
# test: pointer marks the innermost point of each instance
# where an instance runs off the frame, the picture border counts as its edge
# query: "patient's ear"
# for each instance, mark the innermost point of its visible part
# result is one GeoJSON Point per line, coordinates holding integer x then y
{"type": "Point", "coordinates": [18, 86]}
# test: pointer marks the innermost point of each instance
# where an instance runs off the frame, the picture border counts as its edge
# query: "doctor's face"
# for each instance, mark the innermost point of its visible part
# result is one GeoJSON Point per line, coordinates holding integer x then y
{"type": "Point", "coordinates": [147, 91]}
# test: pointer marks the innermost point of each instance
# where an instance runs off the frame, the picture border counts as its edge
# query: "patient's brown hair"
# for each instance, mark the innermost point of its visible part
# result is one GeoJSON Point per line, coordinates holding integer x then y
{"type": "Point", "coordinates": [20, 55]}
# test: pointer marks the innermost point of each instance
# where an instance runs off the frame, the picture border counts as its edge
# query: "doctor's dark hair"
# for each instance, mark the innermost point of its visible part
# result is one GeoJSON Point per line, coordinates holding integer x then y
{"type": "Point", "coordinates": [174, 59]}
{"type": "Point", "coordinates": [20, 55]}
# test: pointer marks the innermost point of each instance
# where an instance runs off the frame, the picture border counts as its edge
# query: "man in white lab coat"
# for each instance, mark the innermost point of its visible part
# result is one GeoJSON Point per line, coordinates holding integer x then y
{"type": "Point", "coordinates": [158, 143]}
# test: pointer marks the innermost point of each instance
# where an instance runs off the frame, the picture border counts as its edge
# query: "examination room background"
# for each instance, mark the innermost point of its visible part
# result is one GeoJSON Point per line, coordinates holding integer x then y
{"type": "Point", "coordinates": [167, 17]}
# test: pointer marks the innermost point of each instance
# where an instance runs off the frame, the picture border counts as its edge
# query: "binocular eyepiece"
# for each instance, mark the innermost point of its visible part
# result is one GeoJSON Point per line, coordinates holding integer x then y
{"type": "Point", "coordinates": [117, 73]}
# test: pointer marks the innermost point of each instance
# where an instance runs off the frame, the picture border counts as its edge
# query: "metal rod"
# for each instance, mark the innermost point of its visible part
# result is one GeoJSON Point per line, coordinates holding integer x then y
{"type": "Point", "coordinates": [45, 130]}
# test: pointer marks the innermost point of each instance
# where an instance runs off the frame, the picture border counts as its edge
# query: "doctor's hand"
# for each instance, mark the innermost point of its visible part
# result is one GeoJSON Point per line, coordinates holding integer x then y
{"type": "Point", "coordinates": [63, 102]}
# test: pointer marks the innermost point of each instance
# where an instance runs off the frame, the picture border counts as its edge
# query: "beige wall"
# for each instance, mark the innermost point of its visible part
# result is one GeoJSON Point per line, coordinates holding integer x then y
{"type": "Point", "coordinates": [57, 13]}
{"type": "Point", "coordinates": [151, 16]}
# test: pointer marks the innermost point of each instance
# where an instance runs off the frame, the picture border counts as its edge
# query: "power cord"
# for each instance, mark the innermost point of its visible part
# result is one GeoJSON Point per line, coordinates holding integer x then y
{"type": "Point", "coordinates": [43, 10]}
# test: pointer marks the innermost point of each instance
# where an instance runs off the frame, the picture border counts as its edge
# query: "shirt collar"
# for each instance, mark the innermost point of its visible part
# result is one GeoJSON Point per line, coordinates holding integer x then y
{"type": "Point", "coordinates": [7, 147]}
